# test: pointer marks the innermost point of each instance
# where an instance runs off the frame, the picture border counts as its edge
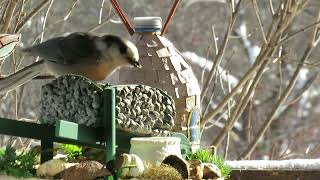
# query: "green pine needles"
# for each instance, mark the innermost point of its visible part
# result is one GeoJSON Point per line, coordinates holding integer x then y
{"type": "Point", "coordinates": [71, 151]}
{"type": "Point", "coordinates": [207, 157]}
{"type": "Point", "coordinates": [20, 165]}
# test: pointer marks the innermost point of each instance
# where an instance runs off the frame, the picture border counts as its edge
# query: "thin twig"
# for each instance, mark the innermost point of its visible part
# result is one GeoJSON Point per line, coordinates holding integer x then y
{"type": "Point", "coordinates": [217, 75]}
{"type": "Point", "coordinates": [44, 24]}
{"type": "Point", "coordinates": [271, 7]}
{"type": "Point", "coordinates": [257, 12]}
{"type": "Point", "coordinates": [9, 15]}
{"type": "Point", "coordinates": [238, 87]}
{"type": "Point", "coordinates": [103, 23]}
{"type": "Point", "coordinates": [293, 35]}
{"type": "Point", "coordinates": [305, 88]}
{"type": "Point", "coordinates": [32, 14]}
{"type": "Point", "coordinates": [221, 51]}
{"type": "Point", "coordinates": [101, 10]}
{"type": "Point", "coordinates": [222, 115]}
{"type": "Point", "coordinates": [70, 11]}
{"type": "Point", "coordinates": [229, 114]}
{"type": "Point", "coordinates": [241, 105]}
{"type": "Point", "coordinates": [45, 20]}
{"type": "Point", "coordinates": [4, 12]}
{"type": "Point", "coordinates": [215, 40]}
{"type": "Point", "coordinates": [42, 77]}
{"type": "Point", "coordinates": [19, 18]}
{"type": "Point", "coordinates": [205, 64]}
{"type": "Point", "coordinates": [249, 122]}
{"type": "Point", "coordinates": [280, 74]}
{"type": "Point", "coordinates": [3, 1]}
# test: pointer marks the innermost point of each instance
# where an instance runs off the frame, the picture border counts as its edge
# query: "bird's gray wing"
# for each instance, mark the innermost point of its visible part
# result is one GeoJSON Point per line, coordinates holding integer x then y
{"type": "Point", "coordinates": [79, 48]}
{"type": "Point", "coordinates": [48, 50]}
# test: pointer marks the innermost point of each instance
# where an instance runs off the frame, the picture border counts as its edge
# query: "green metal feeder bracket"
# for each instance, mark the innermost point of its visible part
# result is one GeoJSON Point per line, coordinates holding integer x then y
{"type": "Point", "coordinates": [68, 132]}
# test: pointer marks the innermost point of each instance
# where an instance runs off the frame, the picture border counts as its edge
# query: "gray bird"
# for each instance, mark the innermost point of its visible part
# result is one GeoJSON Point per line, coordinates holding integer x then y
{"type": "Point", "coordinates": [94, 57]}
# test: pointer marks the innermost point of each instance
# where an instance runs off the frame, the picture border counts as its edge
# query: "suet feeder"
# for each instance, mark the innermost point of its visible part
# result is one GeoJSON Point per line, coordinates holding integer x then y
{"type": "Point", "coordinates": [163, 67]}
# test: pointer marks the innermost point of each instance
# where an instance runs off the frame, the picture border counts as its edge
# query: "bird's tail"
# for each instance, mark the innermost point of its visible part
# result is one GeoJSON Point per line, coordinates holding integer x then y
{"type": "Point", "coordinates": [21, 77]}
{"type": "Point", "coordinates": [25, 50]}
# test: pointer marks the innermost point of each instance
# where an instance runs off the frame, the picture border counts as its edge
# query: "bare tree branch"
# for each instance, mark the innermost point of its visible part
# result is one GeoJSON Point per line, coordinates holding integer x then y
{"type": "Point", "coordinates": [285, 94]}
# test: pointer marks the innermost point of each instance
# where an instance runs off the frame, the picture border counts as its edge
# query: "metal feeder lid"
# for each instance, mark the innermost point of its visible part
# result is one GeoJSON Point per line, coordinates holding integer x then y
{"type": "Point", "coordinates": [147, 24]}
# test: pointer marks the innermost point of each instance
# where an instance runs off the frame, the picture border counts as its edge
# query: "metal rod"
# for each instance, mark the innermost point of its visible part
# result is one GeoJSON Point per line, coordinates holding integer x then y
{"type": "Point", "coordinates": [122, 16]}
{"type": "Point", "coordinates": [109, 123]}
{"type": "Point", "coordinates": [171, 14]}
{"type": "Point", "coordinates": [36, 78]}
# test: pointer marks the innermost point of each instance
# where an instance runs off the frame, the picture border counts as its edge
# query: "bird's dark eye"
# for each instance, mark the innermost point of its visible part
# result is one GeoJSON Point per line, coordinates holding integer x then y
{"type": "Point", "coordinates": [134, 62]}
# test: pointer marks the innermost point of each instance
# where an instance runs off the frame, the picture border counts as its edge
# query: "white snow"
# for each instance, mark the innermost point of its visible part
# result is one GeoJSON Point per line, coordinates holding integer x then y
{"type": "Point", "coordinates": [207, 64]}
{"type": "Point", "coordinates": [294, 164]}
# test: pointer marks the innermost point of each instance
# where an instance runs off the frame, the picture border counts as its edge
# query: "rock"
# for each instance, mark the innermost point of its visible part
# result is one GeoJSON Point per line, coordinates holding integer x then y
{"type": "Point", "coordinates": [158, 124]}
{"type": "Point", "coordinates": [139, 119]}
{"type": "Point", "coordinates": [134, 125]}
{"type": "Point", "coordinates": [127, 102]}
{"type": "Point", "coordinates": [125, 161]}
{"type": "Point", "coordinates": [85, 170]}
{"type": "Point", "coordinates": [169, 119]}
{"type": "Point", "coordinates": [179, 164]}
{"type": "Point", "coordinates": [138, 170]}
{"type": "Point", "coordinates": [166, 126]}
{"type": "Point", "coordinates": [51, 168]}
{"type": "Point", "coordinates": [145, 112]}
{"type": "Point", "coordinates": [138, 110]}
{"type": "Point", "coordinates": [131, 166]}
{"type": "Point", "coordinates": [162, 172]}
{"type": "Point", "coordinates": [211, 171]}
{"type": "Point", "coordinates": [137, 90]}
{"type": "Point", "coordinates": [196, 169]}
{"type": "Point", "coordinates": [133, 114]}
{"type": "Point", "coordinates": [169, 109]}
{"type": "Point", "coordinates": [157, 106]}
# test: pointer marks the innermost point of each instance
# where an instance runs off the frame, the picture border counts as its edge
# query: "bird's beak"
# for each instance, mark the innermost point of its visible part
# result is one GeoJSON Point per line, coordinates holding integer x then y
{"type": "Point", "coordinates": [136, 64]}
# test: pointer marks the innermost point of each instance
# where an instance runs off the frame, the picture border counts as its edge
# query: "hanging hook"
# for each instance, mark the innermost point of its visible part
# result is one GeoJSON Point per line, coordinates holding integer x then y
{"type": "Point", "coordinates": [172, 12]}
{"type": "Point", "coordinates": [127, 24]}
{"type": "Point", "coordinates": [122, 16]}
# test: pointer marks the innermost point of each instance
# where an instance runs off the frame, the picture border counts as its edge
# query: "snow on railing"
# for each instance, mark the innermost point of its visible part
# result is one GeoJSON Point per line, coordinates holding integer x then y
{"type": "Point", "coordinates": [293, 164]}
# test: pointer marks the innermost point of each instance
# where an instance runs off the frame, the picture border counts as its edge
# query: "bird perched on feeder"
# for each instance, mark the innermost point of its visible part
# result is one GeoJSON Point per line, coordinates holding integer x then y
{"type": "Point", "coordinates": [94, 57]}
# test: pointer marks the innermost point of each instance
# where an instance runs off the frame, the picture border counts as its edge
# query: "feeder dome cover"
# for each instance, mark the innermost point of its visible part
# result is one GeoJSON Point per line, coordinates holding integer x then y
{"type": "Point", "coordinates": [163, 67]}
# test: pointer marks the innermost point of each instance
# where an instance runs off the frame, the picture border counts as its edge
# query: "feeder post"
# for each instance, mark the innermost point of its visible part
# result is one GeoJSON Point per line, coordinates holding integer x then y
{"type": "Point", "coordinates": [122, 16]}
{"type": "Point", "coordinates": [109, 123]}
{"type": "Point", "coordinates": [47, 146]}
